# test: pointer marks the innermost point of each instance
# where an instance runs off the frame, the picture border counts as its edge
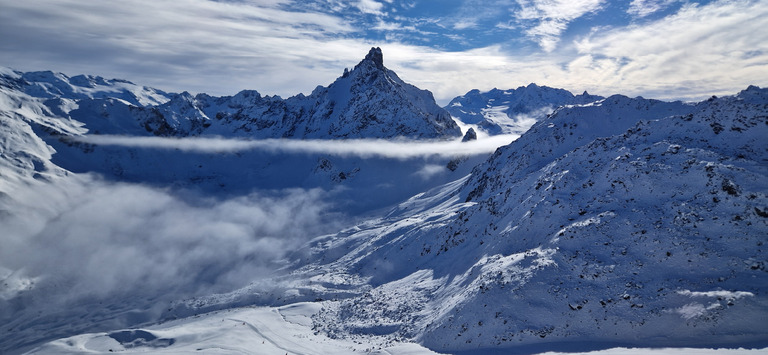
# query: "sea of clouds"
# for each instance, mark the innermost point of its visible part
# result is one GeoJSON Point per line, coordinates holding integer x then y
{"type": "Point", "coordinates": [90, 254]}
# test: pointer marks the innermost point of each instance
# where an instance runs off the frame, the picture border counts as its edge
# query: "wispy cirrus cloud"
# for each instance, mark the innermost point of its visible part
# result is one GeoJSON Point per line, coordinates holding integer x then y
{"type": "Point", "coordinates": [551, 17]}
{"type": "Point", "coordinates": [692, 51]}
{"type": "Point", "coordinates": [370, 7]}
{"type": "Point", "coordinates": [643, 8]}
{"type": "Point", "coordinates": [188, 43]}
{"type": "Point", "coordinates": [698, 51]}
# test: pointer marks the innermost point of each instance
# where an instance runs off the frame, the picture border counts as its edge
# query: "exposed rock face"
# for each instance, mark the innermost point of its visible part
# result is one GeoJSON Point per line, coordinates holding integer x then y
{"type": "Point", "coordinates": [471, 135]}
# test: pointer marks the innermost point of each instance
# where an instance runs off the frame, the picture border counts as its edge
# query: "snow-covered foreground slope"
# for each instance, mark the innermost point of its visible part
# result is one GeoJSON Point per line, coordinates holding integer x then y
{"type": "Point", "coordinates": [639, 233]}
{"type": "Point", "coordinates": [276, 330]}
{"type": "Point", "coordinates": [258, 330]}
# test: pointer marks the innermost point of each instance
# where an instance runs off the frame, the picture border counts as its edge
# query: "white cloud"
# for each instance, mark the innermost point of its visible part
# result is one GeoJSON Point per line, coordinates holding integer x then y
{"type": "Point", "coordinates": [195, 45]}
{"type": "Point", "coordinates": [395, 149]}
{"type": "Point", "coordinates": [717, 49]}
{"type": "Point", "coordinates": [393, 26]}
{"type": "Point", "coordinates": [463, 24]}
{"type": "Point", "coordinates": [430, 170]}
{"type": "Point", "coordinates": [567, 10]}
{"type": "Point", "coordinates": [696, 51]}
{"type": "Point", "coordinates": [548, 33]}
{"type": "Point", "coordinates": [370, 7]}
{"type": "Point", "coordinates": [552, 17]}
{"type": "Point", "coordinates": [643, 8]}
{"type": "Point", "coordinates": [122, 252]}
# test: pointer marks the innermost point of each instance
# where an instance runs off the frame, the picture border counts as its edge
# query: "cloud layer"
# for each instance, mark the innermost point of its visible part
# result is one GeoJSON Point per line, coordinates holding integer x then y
{"type": "Point", "coordinates": [365, 148]}
{"type": "Point", "coordinates": [88, 247]}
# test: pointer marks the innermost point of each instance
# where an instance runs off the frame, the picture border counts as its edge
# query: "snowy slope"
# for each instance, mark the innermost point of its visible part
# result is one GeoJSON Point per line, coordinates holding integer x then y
{"type": "Point", "coordinates": [54, 86]}
{"type": "Point", "coordinates": [25, 157]}
{"type": "Point", "coordinates": [368, 102]}
{"type": "Point", "coordinates": [650, 235]}
{"type": "Point", "coordinates": [246, 331]}
{"type": "Point", "coordinates": [287, 329]}
{"type": "Point", "coordinates": [512, 111]}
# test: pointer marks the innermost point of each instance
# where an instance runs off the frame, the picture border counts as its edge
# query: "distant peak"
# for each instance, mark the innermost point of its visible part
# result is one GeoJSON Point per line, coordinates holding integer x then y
{"type": "Point", "coordinates": [376, 57]}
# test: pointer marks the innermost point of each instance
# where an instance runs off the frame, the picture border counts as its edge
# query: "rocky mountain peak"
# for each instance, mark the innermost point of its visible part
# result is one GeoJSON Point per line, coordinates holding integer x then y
{"type": "Point", "coordinates": [374, 56]}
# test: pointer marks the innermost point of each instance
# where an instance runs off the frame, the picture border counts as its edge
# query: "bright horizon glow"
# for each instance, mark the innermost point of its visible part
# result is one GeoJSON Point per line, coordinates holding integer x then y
{"type": "Point", "coordinates": [664, 49]}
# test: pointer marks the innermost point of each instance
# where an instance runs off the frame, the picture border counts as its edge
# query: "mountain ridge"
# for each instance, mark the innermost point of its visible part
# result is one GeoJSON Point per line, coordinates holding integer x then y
{"type": "Point", "coordinates": [514, 110]}
{"type": "Point", "coordinates": [370, 101]}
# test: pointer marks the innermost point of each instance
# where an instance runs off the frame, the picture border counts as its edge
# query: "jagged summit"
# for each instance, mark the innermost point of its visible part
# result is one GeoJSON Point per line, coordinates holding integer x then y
{"type": "Point", "coordinates": [371, 101]}
{"type": "Point", "coordinates": [373, 61]}
{"type": "Point", "coordinates": [374, 56]}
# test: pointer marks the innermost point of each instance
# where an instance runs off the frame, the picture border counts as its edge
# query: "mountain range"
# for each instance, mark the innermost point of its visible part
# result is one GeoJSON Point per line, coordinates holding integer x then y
{"type": "Point", "coordinates": [597, 222]}
{"type": "Point", "coordinates": [512, 111]}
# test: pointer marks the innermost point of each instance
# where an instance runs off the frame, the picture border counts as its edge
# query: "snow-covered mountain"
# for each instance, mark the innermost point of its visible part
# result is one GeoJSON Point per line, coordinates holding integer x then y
{"type": "Point", "coordinates": [52, 173]}
{"type": "Point", "coordinates": [370, 101]}
{"type": "Point", "coordinates": [58, 86]}
{"type": "Point", "coordinates": [628, 221]}
{"type": "Point", "coordinates": [512, 111]}
{"type": "Point", "coordinates": [616, 221]}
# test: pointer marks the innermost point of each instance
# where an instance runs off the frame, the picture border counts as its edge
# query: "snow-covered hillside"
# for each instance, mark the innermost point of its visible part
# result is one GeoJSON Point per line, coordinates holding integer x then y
{"type": "Point", "coordinates": [58, 86]}
{"type": "Point", "coordinates": [626, 222]}
{"type": "Point", "coordinates": [512, 111]}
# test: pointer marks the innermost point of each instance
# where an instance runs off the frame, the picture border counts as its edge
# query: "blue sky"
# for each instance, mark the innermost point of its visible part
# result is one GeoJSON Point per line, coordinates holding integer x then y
{"type": "Point", "coordinates": [664, 49]}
